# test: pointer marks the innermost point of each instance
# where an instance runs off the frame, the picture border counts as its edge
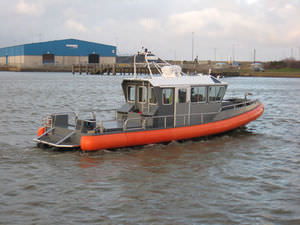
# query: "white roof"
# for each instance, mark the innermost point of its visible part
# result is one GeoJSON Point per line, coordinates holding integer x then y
{"type": "Point", "coordinates": [181, 81]}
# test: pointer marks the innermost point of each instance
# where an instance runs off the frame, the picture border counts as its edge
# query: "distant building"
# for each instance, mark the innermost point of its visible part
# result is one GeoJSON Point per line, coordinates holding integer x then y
{"type": "Point", "coordinates": [235, 64]}
{"type": "Point", "coordinates": [58, 52]}
{"type": "Point", "coordinates": [221, 65]}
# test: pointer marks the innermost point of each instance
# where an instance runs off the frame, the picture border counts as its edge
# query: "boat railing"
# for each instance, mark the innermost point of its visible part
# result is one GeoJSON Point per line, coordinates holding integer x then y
{"type": "Point", "coordinates": [166, 121]}
{"type": "Point", "coordinates": [69, 120]}
{"type": "Point", "coordinates": [238, 105]}
{"type": "Point", "coordinates": [186, 118]}
{"type": "Point", "coordinates": [144, 122]}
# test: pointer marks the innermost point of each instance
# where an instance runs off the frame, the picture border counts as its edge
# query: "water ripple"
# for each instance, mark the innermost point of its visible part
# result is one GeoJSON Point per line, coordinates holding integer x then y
{"type": "Point", "coordinates": [249, 176]}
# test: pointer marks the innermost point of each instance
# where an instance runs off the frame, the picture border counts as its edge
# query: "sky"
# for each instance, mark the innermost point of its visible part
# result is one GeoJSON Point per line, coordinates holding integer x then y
{"type": "Point", "coordinates": [172, 29]}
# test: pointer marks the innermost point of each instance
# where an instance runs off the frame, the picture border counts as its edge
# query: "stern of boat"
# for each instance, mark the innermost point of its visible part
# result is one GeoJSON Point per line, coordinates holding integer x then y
{"type": "Point", "coordinates": [58, 131]}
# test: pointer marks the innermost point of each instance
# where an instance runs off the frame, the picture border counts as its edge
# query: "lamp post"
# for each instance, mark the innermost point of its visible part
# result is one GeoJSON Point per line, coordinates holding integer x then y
{"type": "Point", "coordinates": [215, 54]}
{"type": "Point", "coordinates": [192, 46]}
{"type": "Point", "coordinates": [233, 53]}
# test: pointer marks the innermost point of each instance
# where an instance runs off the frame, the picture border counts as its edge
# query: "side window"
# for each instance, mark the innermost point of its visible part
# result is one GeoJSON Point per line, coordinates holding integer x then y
{"type": "Point", "coordinates": [152, 98]}
{"type": "Point", "coordinates": [167, 96]}
{"type": "Point", "coordinates": [182, 95]}
{"type": "Point", "coordinates": [131, 93]}
{"type": "Point", "coordinates": [198, 94]}
{"type": "Point", "coordinates": [220, 93]}
{"type": "Point", "coordinates": [142, 94]}
{"type": "Point", "coordinates": [216, 93]}
{"type": "Point", "coordinates": [212, 94]}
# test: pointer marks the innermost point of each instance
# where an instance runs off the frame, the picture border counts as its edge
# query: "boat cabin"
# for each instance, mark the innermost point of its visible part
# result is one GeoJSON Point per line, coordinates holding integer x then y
{"type": "Point", "coordinates": [174, 101]}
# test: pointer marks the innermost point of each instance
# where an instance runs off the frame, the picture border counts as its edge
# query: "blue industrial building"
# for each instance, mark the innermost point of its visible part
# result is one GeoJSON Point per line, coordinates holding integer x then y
{"type": "Point", "coordinates": [59, 52]}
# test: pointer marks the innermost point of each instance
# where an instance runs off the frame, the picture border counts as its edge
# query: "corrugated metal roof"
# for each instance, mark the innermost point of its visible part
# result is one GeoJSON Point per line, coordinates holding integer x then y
{"type": "Point", "coordinates": [65, 47]}
{"type": "Point", "coordinates": [181, 81]}
{"type": "Point", "coordinates": [12, 51]}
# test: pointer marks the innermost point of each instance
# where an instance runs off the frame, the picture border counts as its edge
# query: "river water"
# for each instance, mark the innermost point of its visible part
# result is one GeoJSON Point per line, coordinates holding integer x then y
{"type": "Point", "coordinates": [249, 176]}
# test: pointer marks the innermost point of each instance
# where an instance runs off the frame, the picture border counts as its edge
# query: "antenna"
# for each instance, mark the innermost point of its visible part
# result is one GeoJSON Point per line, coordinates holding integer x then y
{"type": "Point", "coordinates": [134, 66]}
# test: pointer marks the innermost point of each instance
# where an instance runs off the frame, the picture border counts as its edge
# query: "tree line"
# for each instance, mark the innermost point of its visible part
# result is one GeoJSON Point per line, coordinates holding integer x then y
{"type": "Point", "coordinates": [286, 63]}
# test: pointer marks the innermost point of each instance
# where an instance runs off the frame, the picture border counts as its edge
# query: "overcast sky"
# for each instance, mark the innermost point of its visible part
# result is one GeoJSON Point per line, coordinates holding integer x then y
{"type": "Point", "coordinates": [227, 28]}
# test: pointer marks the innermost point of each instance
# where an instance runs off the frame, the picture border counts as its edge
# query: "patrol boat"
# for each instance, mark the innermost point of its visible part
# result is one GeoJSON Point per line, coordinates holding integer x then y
{"type": "Point", "coordinates": [161, 107]}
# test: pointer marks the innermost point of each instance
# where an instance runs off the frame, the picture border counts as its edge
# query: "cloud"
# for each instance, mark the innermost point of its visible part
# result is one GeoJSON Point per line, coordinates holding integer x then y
{"type": "Point", "coordinates": [213, 22]}
{"type": "Point", "coordinates": [225, 24]}
{"type": "Point", "coordinates": [75, 26]}
{"type": "Point", "coordinates": [97, 29]}
{"type": "Point", "coordinates": [149, 24]}
{"type": "Point", "coordinates": [266, 24]}
{"type": "Point", "coordinates": [23, 7]}
{"type": "Point", "coordinates": [209, 19]}
{"type": "Point", "coordinates": [293, 35]}
{"type": "Point", "coordinates": [191, 21]}
{"type": "Point", "coordinates": [251, 1]}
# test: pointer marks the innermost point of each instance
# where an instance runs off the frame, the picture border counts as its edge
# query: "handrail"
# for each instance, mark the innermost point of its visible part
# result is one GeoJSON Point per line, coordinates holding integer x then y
{"type": "Point", "coordinates": [144, 120]}
{"type": "Point", "coordinates": [157, 65]}
{"type": "Point", "coordinates": [75, 117]}
{"type": "Point", "coordinates": [186, 115]}
{"type": "Point", "coordinates": [165, 117]}
{"type": "Point", "coordinates": [61, 113]}
{"type": "Point", "coordinates": [89, 121]}
{"type": "Point", "coordinates": [238, 104]}
{"type": "Point", "coordinates": [48, 116]}
{"type": "Point", "coordinates": [76, 114]}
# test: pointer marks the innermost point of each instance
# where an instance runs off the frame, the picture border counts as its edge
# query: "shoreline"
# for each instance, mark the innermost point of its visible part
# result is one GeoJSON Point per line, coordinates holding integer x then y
{"type": "Point", "coordinates": [271, 74]}
{"type": "Point", "coordinates": [68, 68]}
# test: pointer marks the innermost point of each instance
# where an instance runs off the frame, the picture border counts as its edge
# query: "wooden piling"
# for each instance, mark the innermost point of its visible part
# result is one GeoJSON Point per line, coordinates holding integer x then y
{"type": "Point", "coordinates": [114, 69]}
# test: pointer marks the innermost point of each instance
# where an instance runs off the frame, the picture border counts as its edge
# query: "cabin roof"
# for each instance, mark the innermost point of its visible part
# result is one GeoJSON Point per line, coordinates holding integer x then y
{"type": "Point", "coordinates": [181, 81]}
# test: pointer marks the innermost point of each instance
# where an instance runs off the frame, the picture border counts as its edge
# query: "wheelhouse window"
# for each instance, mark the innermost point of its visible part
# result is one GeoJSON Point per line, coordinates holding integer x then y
{"type": "Point", "coordinates": [131, 93]}
{"type": "Point", "coordinates": [182, 95]}
{"type": "Point", "coordinates": [167, 97]}
{"type": "Point", "coordinates": [216, 93]}
{"type": "Point", "coordinates": [152, 98]}
{"type": "Point", "coordinates": [142, 94]}
{"type": "Point", "coordinates": [198, 94]}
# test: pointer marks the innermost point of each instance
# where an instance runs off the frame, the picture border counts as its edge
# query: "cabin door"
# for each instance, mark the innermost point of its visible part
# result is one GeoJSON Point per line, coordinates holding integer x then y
{"type": "Point", "coordinates": [181, 106]}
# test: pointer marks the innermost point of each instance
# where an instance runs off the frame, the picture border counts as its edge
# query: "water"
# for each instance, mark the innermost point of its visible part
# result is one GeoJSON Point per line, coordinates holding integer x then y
{"type": "Point", "coordinates": [249, 176]}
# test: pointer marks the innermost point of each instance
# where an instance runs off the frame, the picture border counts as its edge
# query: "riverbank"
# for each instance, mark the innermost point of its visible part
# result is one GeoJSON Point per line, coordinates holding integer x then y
{"type": "Point", "coordinates": [187, 68]}
{"type": "Point", "coordinates": [284, 72]}
{"type": "Point", "coordinates": [268, 74]}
